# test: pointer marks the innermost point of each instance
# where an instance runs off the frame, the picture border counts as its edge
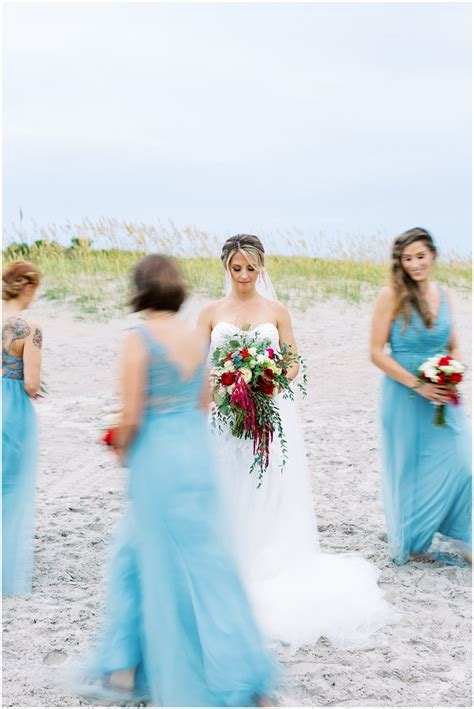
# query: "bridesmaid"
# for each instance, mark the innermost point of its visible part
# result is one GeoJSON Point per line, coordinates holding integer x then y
{"type": "Point", "coordinates": [427, 475]}
{"type": "Point", "coordinates": [21, 364]}
{"type": "Point", "coordinates": [178, 627]}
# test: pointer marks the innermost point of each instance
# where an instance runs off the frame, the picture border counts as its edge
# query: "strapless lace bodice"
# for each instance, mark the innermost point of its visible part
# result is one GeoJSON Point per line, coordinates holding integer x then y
{"type": "Point", "coordinates": [223, 329]}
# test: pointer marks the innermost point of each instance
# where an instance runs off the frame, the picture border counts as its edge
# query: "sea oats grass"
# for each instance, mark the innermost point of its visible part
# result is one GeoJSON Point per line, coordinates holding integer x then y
{"type": "Point", "coordinates": [95, 281]}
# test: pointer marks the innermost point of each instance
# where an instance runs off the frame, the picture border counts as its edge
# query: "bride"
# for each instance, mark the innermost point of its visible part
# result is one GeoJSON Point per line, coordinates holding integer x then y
{"type": "Point", "coordinates": [298, 593]}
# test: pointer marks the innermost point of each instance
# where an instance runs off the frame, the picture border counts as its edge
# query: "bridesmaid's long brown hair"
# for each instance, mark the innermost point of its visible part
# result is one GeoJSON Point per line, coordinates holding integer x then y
{"type": "Point", "coordinates": [407, 291]}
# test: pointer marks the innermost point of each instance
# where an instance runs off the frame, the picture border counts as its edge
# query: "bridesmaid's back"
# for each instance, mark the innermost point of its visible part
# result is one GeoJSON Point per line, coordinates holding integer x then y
{"type": "Point", "coordinates": [176, 368]}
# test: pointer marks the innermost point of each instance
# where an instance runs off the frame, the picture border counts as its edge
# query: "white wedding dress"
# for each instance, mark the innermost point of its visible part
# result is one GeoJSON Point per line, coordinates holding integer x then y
{"type": "Point", "coordinates": [298, 593]}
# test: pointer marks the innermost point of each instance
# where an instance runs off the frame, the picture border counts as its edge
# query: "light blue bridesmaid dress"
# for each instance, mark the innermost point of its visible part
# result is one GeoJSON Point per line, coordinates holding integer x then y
{"type": "Point", "coordinates": [19, 455]}
{"type": "Point", "coordinates": [175, 607]}
{"type": "Point", "coordinates": [427, 475]}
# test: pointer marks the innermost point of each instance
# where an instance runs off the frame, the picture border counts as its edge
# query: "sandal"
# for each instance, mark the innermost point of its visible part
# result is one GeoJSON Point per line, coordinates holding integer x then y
{"type": "Point", "coordinates": [423, 558]}
{"type": "Point", "coordinates": [107, 693]}
{"type": "Point", "coordinates": [442, 558]}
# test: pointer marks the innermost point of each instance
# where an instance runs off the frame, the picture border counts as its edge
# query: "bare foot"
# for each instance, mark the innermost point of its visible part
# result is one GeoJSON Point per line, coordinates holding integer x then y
{"type": "Point", "coordinates": [468, 556]}
{"type": "Point", "coordinates": [264, 702]}
{"type": "Point", "coordinates": [123, 679]}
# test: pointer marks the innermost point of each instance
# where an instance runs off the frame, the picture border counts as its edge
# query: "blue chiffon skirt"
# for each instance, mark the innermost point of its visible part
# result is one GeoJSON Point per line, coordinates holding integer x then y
{"type": "Point", "coordinates": [175, 606]}
{"type": "Point", "coordinates": [19, 457]}
{"type": "Point", "coordinates": [427, 475]}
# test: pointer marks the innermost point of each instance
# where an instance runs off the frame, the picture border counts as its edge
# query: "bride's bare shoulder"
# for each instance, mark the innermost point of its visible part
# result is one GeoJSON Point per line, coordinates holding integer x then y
{"type": "Point", "coordinates": [208, 310]}
{"type": "Point", "coordinates": [207, 314]}
{"type": "Point", "coordinates": [280, 311]}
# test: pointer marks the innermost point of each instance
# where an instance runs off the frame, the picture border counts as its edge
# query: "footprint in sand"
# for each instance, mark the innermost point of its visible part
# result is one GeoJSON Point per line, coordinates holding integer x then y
{"type": "Point", "coordinates": [55, 657]}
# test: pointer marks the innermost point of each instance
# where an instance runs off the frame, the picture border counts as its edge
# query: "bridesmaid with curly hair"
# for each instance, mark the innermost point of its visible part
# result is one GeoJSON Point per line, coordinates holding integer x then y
{"type": "Point", "coordinates": [21, 365]}
{"type": "Point", "coordinates": [427, 476]}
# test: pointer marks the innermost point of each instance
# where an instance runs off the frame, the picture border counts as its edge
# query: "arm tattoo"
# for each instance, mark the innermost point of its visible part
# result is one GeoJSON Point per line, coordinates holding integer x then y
{"type": "Point", "coordinates": [14, 329]}
{"type": "Point", "coordinates": [38, 338]}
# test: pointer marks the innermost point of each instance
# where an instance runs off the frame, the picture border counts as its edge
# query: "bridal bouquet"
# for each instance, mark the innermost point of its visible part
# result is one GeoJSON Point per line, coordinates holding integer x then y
{"type": "Point", "coordinates": [246, 375]}
{"type": "Point", "coordinates": [446, 371]}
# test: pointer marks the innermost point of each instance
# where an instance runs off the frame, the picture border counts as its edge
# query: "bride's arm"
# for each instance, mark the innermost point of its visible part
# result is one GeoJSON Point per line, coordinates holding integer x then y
{"type": "Point", "coordinates": [206, 320]}
{"type": "Point", "coordinates": [204, 326]}
{"type": "Point", "coordinates": [205, 399]}
{"type": "Point", "coordinates": [287, 337]}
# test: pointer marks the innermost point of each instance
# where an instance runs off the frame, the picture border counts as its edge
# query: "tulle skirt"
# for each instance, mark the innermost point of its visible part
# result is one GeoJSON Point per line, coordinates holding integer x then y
{"type": "Point", "coordinates": [175, 608]}
{"type": "Point", "coordinates": [427, 474]}
{"type": "Point", "coordinates": [19, 458]}
{"type": "Point", "coordinates": [298, 593]}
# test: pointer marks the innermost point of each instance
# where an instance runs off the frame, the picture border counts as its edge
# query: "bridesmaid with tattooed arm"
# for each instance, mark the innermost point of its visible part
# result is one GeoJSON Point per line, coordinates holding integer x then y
{"type": "Point", "coordinates": [21, 370]}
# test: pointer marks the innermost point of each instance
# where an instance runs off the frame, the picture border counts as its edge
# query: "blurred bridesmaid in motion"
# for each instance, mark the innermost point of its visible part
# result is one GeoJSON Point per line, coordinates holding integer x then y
{"type": "Point", "coordinates": [427, 476]}
{"type": "Point", "coordinates": [21, 365]}
{"type": "Point", "coordinates": [178, 628]}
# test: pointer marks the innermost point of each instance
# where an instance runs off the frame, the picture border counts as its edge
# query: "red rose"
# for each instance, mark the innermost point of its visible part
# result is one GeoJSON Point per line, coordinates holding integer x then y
{"type": "Point", "coordinates": [455, 378]}
{"type": "Point", "coordinates": [109, 437]}
{"type": "Point", "coordinates": [264, 386]}
{"type": "Point", "coordinates": [268, 373]}
{"type": "Point", "coordinates": [444, 361]}
{"type": "Point", "coordinates": [270, 353]}
{"type": "Point", "coordinates": [228, 357]}
{"type": "Point", "coordinates": [244, 353]}
{"type": "Point", "coordinates": [441, 378]}
{"type": "Point", "coordinates": [228, 378]}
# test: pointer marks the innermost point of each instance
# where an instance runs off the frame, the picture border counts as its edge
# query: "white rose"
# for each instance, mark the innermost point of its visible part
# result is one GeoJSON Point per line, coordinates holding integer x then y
{"type": "Point", "coordinates": [247, 374]}
{"type": "Point", "coordinates": [252, 351]}
{"type": "Point", "coordinates": [229, 366]}
{"type": "Point", "coordinates": [458, 367]}
{"type": "Point", "coordinates": [111, 420]}
{"type": "Point", "coordinates": [261, 359]}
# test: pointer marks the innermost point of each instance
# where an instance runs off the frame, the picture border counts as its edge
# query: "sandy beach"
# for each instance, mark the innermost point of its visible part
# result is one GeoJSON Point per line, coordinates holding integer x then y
{"type": "Point", "coordinates": [424, 660]}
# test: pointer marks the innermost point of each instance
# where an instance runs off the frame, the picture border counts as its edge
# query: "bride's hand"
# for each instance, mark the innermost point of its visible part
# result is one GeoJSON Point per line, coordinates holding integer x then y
{"type": "Point", "coordinates": [435, 393]}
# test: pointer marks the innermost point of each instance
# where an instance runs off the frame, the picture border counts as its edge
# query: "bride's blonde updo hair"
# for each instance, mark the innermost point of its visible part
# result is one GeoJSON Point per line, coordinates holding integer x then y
{"type": "Point", "coordinates": [16, 276]}
{"type": "Point", "coordinates": [248, 245]}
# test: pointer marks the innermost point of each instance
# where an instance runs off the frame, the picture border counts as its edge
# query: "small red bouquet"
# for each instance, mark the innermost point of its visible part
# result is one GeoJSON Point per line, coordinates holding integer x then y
{"type": "Point", "coordinates": [445, 371]}
{"type": "Point", "coordinates": [109, 422]}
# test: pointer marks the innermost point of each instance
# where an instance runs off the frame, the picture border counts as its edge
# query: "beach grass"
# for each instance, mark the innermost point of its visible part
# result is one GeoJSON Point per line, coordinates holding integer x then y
{"type": "Point", "coordinates": [95, 282]}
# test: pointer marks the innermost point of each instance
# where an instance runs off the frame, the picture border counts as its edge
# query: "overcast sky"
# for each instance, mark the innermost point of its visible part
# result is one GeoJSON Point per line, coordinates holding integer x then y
{"type": "Point", "coordinates": [241, 117]}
